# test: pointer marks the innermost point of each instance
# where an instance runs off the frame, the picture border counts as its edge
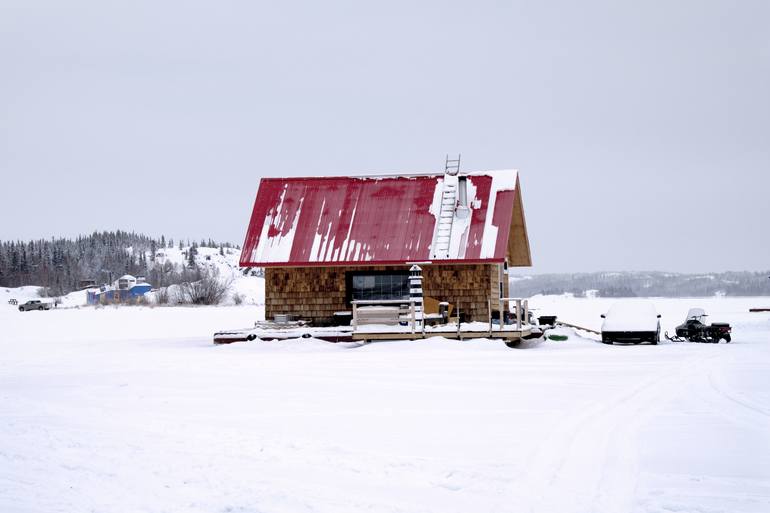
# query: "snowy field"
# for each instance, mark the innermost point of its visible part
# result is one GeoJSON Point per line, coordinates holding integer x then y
{"type": "Point", "coordinates": [134, 410]}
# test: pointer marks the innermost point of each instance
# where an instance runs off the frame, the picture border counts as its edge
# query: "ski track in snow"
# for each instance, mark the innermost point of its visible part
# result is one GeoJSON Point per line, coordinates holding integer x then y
{"type": "Point", "coordinates": [590, 453]}
{"type": "Point", "coordinates": [133, 409]}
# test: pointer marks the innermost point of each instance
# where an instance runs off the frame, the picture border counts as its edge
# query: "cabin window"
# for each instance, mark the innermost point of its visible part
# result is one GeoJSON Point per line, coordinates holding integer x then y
{"type": "Point", "coordinates": [374, 286]}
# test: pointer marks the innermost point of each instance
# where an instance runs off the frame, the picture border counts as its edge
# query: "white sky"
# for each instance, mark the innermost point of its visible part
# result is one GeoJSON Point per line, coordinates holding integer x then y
{"type": "Point", "coordinates": [641, 129]}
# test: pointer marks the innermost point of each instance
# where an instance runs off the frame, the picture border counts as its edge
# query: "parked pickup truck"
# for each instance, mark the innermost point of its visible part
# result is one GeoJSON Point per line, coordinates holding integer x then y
{"type": "Point", "coordinates": [34, 304]}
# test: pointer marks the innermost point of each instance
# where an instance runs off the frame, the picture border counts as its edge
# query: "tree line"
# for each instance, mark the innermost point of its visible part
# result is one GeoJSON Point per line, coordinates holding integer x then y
{"type": "Point", "coordinates": [645, 284]}
{"type": "Point", "coordinates": [60, 264]}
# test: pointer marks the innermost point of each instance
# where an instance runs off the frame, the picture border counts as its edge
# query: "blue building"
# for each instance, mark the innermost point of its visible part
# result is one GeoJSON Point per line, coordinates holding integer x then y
{"type": "Point", "coordinates": [126, 290]}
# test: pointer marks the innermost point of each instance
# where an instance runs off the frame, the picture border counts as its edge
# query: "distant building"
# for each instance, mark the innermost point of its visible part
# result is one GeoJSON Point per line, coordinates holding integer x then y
{"type": "Point", "coordinates": [86, 284]}
{"type": "Point", "coordinates": [125, 282]}
{"type": "Point", "coordinates": [126, 289]}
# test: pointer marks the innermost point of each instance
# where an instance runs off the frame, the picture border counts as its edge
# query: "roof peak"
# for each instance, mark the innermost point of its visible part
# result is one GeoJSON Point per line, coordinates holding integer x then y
{"type": "Point", "coordinates": [380, 176]}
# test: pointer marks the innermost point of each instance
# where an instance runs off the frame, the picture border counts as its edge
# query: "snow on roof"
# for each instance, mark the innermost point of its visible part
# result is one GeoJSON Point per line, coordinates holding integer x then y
{"type": "Point", "coordinates": [127, 277]}
{"type": "Point", "coordinates": [378, 220]}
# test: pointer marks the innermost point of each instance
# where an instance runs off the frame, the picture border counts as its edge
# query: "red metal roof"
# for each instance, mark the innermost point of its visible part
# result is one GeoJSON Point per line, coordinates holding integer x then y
{"type": "Point", "coordinates": [375, 220]}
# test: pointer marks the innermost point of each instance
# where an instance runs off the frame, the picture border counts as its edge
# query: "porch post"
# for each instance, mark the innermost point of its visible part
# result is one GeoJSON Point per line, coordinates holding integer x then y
{"type": "Point", "coordinates": [415, 291]}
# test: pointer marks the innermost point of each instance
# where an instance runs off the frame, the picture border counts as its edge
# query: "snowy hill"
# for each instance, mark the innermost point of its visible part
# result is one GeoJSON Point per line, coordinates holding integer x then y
{"type": "Point", "coordinates": [222, 262]}
{"type": "Point", "coordinates": [206, 257]}
{"type": "Point", "coordinates": [644, 284]}
{"type": "Point", "coordinates": [245, 286]}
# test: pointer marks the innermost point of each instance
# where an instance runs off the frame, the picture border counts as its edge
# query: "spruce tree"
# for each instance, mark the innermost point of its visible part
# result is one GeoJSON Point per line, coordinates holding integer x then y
{"type": "Point", "coordinates": [191, 255]}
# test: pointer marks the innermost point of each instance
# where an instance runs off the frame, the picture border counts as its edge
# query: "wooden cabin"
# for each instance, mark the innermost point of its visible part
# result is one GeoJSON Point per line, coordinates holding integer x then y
{"type": "Point", "coordinates": [327, 241]}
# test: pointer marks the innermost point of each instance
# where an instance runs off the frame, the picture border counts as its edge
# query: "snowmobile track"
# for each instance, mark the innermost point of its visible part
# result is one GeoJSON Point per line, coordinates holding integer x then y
{"type": "Point", "coordinates": [592, 446]}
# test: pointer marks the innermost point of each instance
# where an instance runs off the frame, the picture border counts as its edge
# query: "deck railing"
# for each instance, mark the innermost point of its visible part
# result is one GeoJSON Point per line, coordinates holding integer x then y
{"type": "Point", "coordinates": [504, 304]}
{"type": "Point", "coordinates": [522, 305]}
{"type": "Point", "coordinates": [388, 302]}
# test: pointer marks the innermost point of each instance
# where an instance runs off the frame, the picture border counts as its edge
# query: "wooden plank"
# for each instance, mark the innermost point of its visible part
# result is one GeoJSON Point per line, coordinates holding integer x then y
{"type": "Point", "coordinates": [562, 323]}
{"type": "Point", "coordinates": [519, 254]}
{"type": "Point", "coordinates": [503, 335]}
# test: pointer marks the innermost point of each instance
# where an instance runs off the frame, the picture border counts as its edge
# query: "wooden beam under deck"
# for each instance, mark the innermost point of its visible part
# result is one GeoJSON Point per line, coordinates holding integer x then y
{"type": "Point", "coordinates": [496, 334]}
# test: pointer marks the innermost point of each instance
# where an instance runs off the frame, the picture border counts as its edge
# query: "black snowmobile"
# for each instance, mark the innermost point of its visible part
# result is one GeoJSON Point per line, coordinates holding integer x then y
{"type": "Point", "coordinates": [695, 330]}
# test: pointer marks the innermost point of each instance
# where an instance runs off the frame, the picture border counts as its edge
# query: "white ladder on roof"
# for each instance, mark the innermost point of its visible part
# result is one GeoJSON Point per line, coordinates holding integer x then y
{"type": "Point", "coordinates": [446, 216]}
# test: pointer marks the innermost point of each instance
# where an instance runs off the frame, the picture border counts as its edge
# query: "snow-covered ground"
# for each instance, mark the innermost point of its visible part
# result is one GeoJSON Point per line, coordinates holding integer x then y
{"type": "Point", "coordinates": [24, 294]}
{"type": "Point", "coordinates": [134, 409]}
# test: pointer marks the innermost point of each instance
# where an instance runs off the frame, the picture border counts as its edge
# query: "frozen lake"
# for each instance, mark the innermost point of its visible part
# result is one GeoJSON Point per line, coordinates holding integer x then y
{"type": "Point", "coordinates": [134, 409]}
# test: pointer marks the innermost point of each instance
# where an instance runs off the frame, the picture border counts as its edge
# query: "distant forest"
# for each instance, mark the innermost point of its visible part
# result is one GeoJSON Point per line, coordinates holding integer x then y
{"type": "Point", "coordinates": [60, 264]}
{"type": "Point", "coordinates": [644, 284]}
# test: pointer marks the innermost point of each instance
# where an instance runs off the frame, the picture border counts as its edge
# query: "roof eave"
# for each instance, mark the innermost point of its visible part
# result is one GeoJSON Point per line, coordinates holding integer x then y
{"type": "Point", "coordinates": [371, 263]}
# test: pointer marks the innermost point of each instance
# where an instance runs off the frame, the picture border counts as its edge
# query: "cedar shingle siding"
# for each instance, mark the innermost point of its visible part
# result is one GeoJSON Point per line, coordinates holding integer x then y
{"type": "Point", "coordinates": [315, 293]}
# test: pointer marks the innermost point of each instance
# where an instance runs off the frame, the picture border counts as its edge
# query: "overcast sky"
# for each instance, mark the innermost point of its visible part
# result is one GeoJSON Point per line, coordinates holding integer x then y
{"type": "Point", "coordinates": [641, 129]}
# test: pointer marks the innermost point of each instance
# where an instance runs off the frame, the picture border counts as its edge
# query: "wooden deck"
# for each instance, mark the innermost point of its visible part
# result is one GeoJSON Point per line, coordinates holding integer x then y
{"type": "Point", "coordinates": [504, 334]}
{"type": "Point", "coordinates": [391, 322]}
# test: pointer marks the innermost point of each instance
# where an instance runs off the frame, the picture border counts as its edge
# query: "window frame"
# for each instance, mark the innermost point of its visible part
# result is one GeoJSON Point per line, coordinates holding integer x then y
{"type": "Point", "coordinates": [349, 281]}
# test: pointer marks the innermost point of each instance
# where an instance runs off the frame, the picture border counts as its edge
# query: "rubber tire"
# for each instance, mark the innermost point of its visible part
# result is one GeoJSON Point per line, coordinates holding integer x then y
{"type": "Point", "coordinates": [727, 338]}
{"type": "Point", "coordinates": [40, 308]}
{"type": "Point", "coordinates": [21, 309]}
{"type": "Point", "coordinates": [250, 337]}
{"type": "Point", "coordinates": [608, 342]}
